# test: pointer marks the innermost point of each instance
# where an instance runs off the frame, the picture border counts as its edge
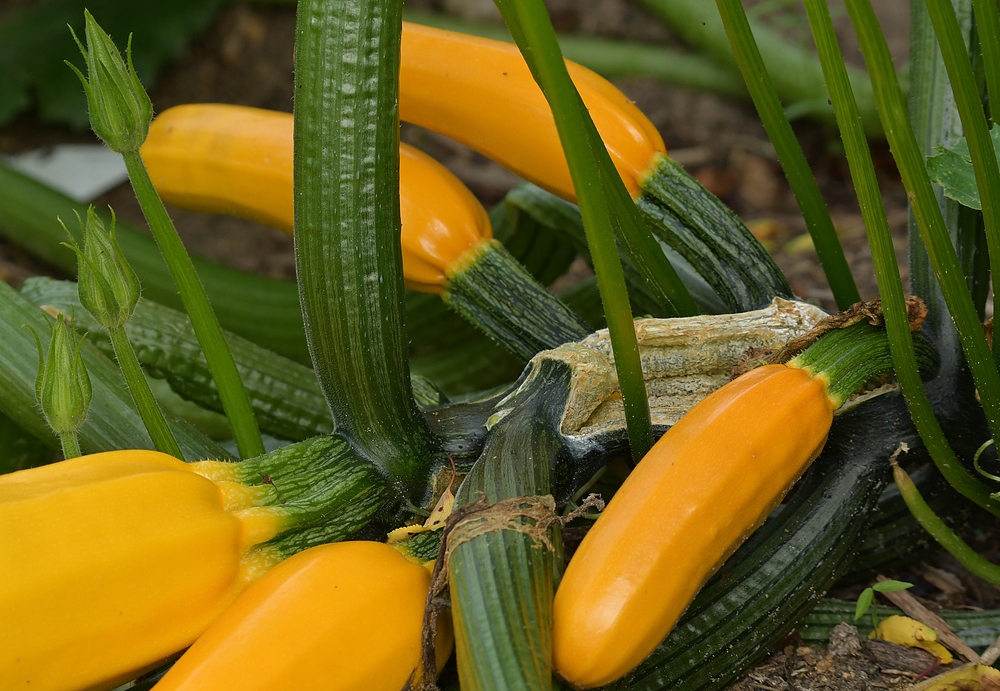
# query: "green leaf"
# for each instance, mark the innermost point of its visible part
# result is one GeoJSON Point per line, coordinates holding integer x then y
{"type": "Point", "coordinates": [34, 41]}
{"type": "Point", "coordinates": [864, 602]}
{"type": "Point", "coordinates": [952, 169]}
{"type": "Point", "coordinates": [890, 586]}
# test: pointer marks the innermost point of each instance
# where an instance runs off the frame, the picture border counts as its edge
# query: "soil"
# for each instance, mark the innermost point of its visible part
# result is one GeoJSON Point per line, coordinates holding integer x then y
{"type": "Point", "coordinates": [246, 58]}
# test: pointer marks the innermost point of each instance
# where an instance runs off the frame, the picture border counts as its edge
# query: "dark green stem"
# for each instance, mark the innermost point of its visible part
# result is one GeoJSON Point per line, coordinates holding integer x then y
{"type": "Point", "coordinates": [793, 160]}
{"type": "Point", "coordinates": [347, 245]}
{"type": "Point", "coordinates": [884, 257]}
{"type": "Point", "coordinates": [924, 204]}
{"type": "Point", "coordinates": [494, 291]}
{"type": "Point", "coordinates": [206, 325]}
{"type": "Point", "coordinates": [970, 109]}
{"type": "Point", "coordinates": [149, 409]}
{"type": "Point", "coordinates": [937, 529]}
{"type": "Point", "coordinates": [714, 241]}
{"type": "Point", "coordinates": [70, 445]}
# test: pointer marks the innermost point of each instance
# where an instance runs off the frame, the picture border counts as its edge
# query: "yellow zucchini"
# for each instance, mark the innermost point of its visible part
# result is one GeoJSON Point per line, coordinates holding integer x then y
{"type": "Point", "coordinates": [238, 161]}
{"type": "Point", "coordinates": [340, 617]}
{"type": "Point", "coordinates": [110, 562]}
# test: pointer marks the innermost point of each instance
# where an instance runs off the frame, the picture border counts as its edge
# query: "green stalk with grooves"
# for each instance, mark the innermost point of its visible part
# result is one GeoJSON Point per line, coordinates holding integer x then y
{"type": "Point", "coordinates": [884, 257]}
{"type": "Point", "coordinates": [970, 109]}
{"type": "Point", "coordinates": [496, 293]}
{"type": "Point", "coordinates": [611, 58]}
{"type": "Point", "coordinates": [795, 71]}
{"type": "Point", "coordinates": [793, 160]}
{"type": "Point", "coordinates": [940, 531]}
{"type": "Point", "coordinates": [120, 112]}
{"type": "Point", "coordinates": [347, 247]}
{"type": "Point", "coordinates": [604, 204]}
{"type": "Point", "coordinates": [112, 422]}
{"type": "Point", "coordinates": [924, 205]}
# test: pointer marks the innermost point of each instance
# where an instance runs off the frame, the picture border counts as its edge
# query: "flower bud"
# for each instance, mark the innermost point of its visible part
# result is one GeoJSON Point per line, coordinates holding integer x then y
{"type": "Point", "coordinates": [120, 109]}
{"type": "Point", "coordinates": [109, 288]}
{"type": "Point", "coordinates": [63, 385]}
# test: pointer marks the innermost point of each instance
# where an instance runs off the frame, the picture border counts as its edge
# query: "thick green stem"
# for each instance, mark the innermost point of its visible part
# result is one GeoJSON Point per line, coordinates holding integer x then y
{"type": "Point", "coordinates": [937, 529]}
{"type": "Point", "coordinates": [70, 445]}
{"type": "Point", "coordinates": [347, 244]}
{"type": "Point", "coordinates": [138, 387]}
{"type": "Point", "coordinates": [924, 204]}
{"type": "Point", "coordinates": [793, 160]}
{"type": "Point", "coordinates": [206, 326]}
{"type": "Point", "coordinates": [884, 257]}
{"type": "Point", "coordinates": [494, 291]}
{"type": "Point", "coordinates": [970, 109]}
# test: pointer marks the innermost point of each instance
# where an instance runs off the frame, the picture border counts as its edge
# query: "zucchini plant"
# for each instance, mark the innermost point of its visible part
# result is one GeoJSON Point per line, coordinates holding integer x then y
{"type": "Point", "coordinates": [386, 413]}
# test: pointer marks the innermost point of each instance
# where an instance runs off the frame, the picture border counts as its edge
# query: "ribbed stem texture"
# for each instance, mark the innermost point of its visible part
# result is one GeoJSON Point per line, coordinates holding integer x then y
{"type": "Point", "coordinates": [347, 247]}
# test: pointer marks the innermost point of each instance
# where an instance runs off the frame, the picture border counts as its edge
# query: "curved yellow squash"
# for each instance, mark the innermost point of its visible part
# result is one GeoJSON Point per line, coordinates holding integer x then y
{"type": "Point", "coordinates": [238, 161]}
{"type": "Point", "coordinates": [340, 617]}
{"type": "Point", "coordinates": [112, 561]}
{"type": "Point", "coordinates": [708, 483]}
{"type": "Point", "coordinates": [480, 92]}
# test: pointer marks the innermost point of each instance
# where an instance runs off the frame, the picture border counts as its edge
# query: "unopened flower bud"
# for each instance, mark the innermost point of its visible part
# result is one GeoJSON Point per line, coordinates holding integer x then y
{"type": "Point", "coordinates": [109, 288]}
{"type": "Point", "coordinates": [120, 109]}
{"type": "Point", "coordinates": [63, 385]}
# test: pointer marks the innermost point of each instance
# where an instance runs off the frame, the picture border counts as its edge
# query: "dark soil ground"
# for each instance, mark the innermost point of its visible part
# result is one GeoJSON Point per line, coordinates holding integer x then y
{"type": "Point", "coordinates": [246, 58]}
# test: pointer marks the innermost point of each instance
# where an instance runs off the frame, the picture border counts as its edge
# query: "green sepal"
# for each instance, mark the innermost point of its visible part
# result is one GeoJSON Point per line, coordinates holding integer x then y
{"type": "Point", "coordinates": [62, 387]}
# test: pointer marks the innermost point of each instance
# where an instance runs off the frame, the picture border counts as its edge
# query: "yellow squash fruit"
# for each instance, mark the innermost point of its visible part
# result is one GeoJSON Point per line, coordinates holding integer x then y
{"type": "Point", "coordinates": [340, 617]}
{"type": "Point", "coordinates": [237, 161]}
{"type": "Point", "coordinates": [110, 562]}
{"type": "Point", "coordinates": [708, 483]}
{"type": "Point", "coordinates": [910, 632]}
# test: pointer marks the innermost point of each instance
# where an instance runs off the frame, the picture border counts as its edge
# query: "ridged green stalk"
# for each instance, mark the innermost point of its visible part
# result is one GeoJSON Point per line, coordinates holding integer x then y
{"type": "Point", "coordinates": [347, 225]}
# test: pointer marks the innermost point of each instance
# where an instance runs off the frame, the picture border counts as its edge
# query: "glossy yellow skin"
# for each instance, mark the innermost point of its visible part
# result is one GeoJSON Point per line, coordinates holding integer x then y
{"type": "Point", "coordinates": [238, 161]}
{"type": "Point", "coordinates": [481, 93]}
{"type": "Point", "coordinates": [708, 483]}
{"type": "Point", "coordinates": [110, 562]}
{"type": "Point", "coordinates": [340, 617]}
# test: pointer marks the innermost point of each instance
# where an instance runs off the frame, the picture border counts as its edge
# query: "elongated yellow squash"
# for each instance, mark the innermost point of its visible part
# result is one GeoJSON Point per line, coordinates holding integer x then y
{"type": "Point", "coordinates": [110, 562]}
{"type": "Point", "coordinates": [341, 617]}
{"type": "Point", "coordinates": [238, 161]}
{"type": "Point", "coordinates": [707, 484]}
{"type": "Point", "coordinates": [480, 92]}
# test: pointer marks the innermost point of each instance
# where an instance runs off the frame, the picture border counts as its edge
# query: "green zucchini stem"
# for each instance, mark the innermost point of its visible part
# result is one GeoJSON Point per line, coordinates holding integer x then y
{"type": "Point", "coordinates": [234, 396]}
{"type": "Point", "coordinates": [70, 445]}
{"type": "Point", "coordinates": [884, 257]}
{"type": "Point", "coordinates": [793, 160]}
{"type": "Point", "coordinates": [138, 387]}
{"type": "Point", "coordinates": [496, 293]}
{"type": "Point", "coordinates": [941, 532]}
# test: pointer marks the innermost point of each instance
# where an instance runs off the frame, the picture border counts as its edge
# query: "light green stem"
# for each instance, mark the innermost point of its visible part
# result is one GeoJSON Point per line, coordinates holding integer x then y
{"type": "Point", "coordinates": [70, 445]}
{"type": "Point", "coordinates": [138, 387]}
{"type": "Point", "coordinates": [937, 529]}
{"type": "Point", "coordinates": [220, 361]}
